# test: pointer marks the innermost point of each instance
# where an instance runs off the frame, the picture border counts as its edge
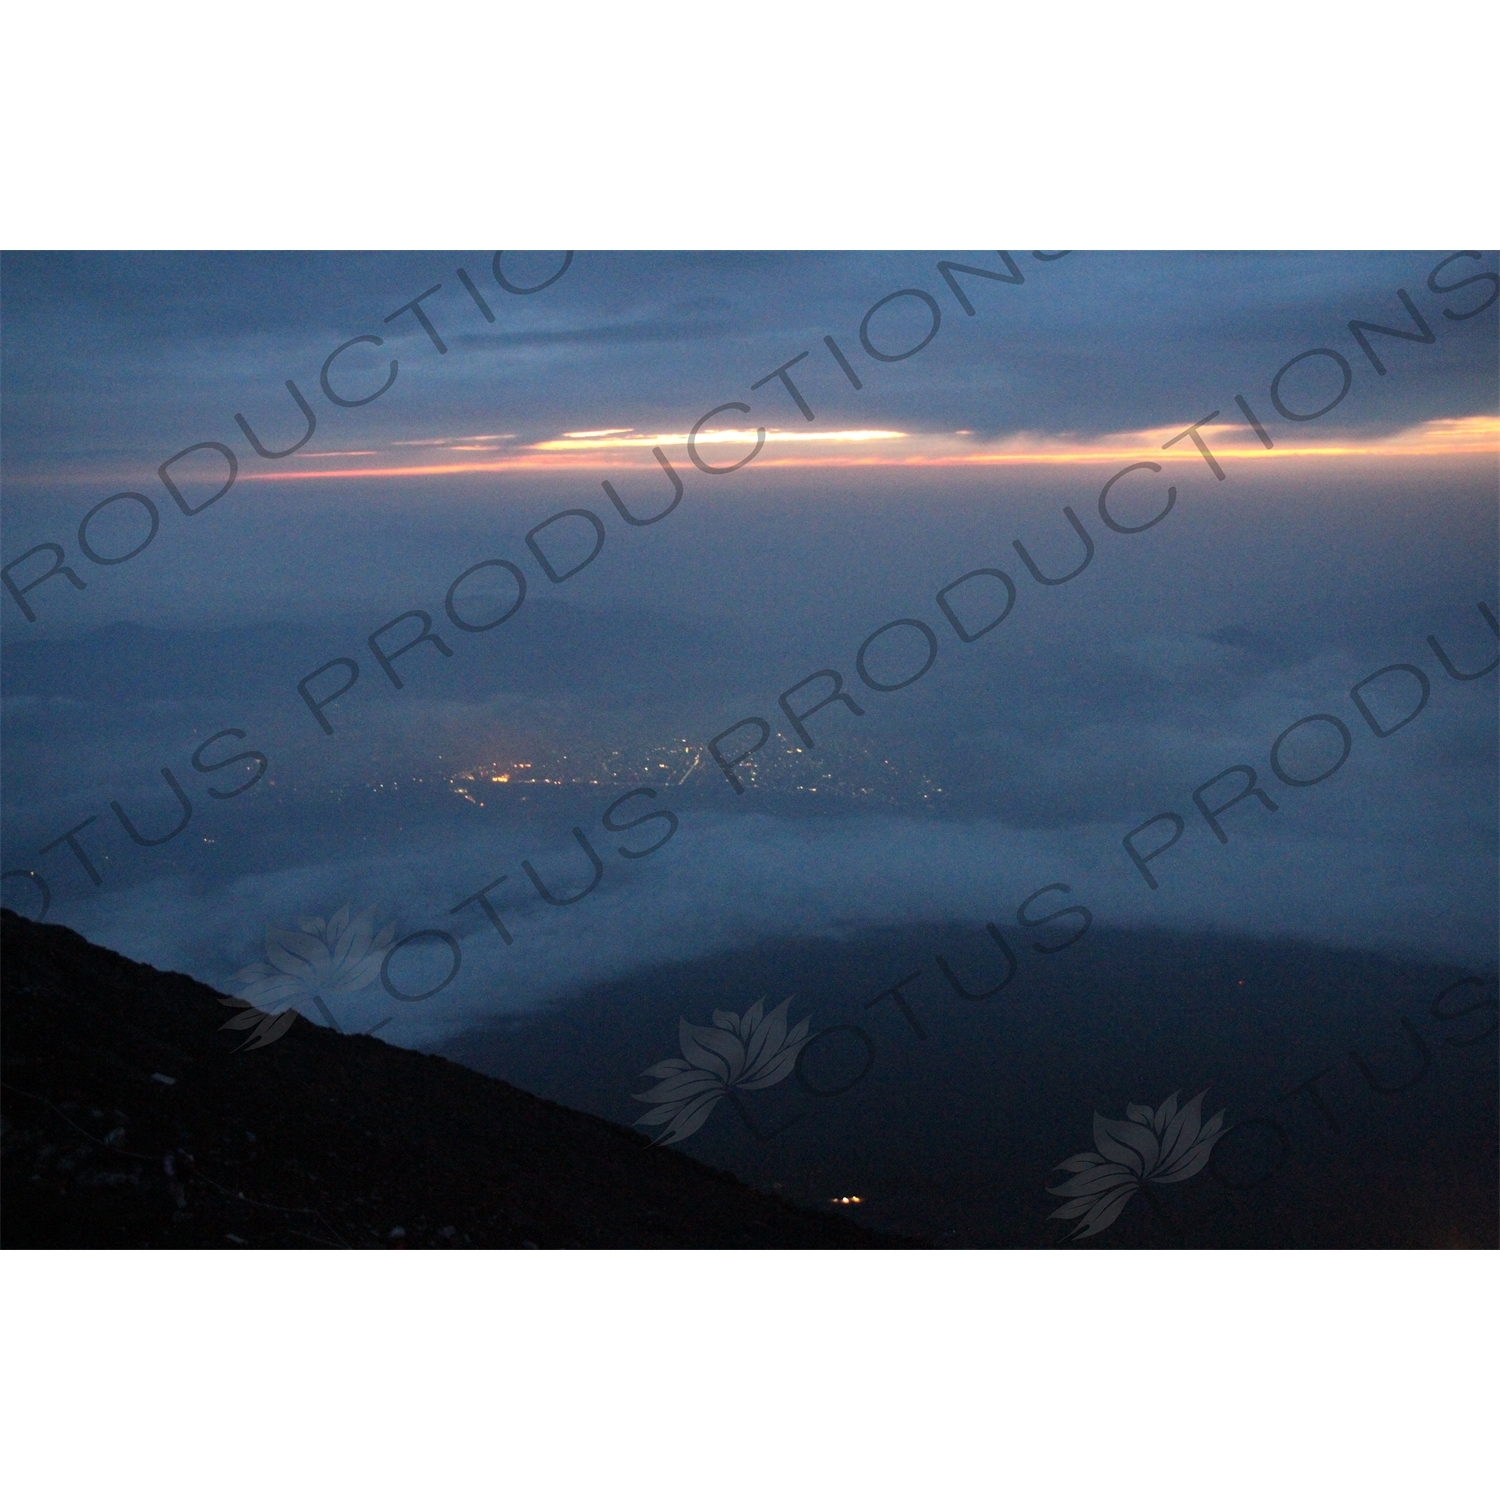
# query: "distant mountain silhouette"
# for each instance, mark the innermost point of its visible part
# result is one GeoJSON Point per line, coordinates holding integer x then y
{"type": "Point", "coordinates": [955, 1135]}
{"type": "Point", "coordinates": [131, 1122]}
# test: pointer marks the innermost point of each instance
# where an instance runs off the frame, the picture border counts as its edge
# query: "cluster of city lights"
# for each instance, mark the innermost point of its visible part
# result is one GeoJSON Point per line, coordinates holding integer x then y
{"type": "Point", "coordinates": [841, 773]}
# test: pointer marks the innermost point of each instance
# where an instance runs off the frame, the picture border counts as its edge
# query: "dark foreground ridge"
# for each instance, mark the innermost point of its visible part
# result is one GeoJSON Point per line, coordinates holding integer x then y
{"type": "Point", "coordinates": [318, 1140]}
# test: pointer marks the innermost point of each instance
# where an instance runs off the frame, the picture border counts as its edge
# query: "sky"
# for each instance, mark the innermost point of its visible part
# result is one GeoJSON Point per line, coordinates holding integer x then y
{"type": "Point", "coordinates": [1016, 760]}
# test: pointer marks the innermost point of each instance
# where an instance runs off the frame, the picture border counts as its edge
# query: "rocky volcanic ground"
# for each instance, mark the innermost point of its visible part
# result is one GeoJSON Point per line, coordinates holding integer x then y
{"type": "Point", "coordinates": [130, 1121]}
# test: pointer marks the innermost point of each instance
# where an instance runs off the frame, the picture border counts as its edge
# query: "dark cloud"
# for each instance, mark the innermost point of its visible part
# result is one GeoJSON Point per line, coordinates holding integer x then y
{"type": "Point", "coordinates": [1096, 342]}
{"type": "Point", "coordinates": [668, 330]}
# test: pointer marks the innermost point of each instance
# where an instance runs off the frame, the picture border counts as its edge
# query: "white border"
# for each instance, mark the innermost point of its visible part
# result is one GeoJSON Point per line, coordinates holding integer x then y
{"type": "Point", "coordinates": [765, 1374]}
{"type": "Point", "coordinates": [1312, 124]}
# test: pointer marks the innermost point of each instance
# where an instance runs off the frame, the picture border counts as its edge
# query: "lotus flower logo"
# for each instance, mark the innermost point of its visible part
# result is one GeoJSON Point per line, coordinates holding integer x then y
{"type": "Point", "coordinates": [1165, 1145]}
{"type": "Point", "coordinates": [753, 1051]}
{"type": "Point", "coordinates": [336, 957]}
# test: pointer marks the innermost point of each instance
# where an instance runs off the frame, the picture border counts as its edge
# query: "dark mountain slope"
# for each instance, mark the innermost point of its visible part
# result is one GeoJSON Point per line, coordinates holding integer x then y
{"type": "Point", "coordinates": [318, 1139]}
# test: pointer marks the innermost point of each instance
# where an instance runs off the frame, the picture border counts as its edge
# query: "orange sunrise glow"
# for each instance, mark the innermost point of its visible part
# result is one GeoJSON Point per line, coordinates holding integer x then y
{"type": "Point", "coordinates": [624, 448]}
